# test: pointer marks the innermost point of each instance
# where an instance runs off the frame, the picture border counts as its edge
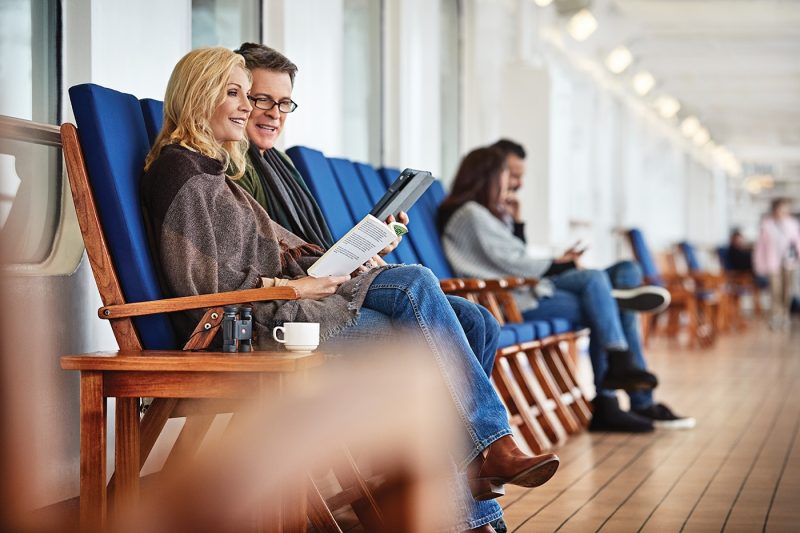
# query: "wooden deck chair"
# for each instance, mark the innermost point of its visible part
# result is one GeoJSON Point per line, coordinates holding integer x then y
{"type": "Point", "coordinates": [355, 490]}
{"type": "Point", "coordinates": [713, 286]}
{"type": "Point", "coordinates": [104, 159]}
{"type": "Point", "coordinates": [685, 302]}
{"type": "Point", "coordinates": [533, 373]}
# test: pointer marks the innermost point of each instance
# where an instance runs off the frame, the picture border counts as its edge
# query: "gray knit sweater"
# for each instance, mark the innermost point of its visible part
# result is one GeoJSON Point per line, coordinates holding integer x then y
{"type": "Point", "coordinates": [479, 245]}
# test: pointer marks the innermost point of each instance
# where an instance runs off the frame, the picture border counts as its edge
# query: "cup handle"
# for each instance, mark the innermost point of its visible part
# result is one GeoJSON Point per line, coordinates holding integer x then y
{"type": "Point", "coordinates": [275, 334]}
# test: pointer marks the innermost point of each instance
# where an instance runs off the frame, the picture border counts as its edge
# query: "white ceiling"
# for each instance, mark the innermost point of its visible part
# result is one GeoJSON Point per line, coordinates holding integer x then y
{"type": "Point", "coordinates": [735, 64]}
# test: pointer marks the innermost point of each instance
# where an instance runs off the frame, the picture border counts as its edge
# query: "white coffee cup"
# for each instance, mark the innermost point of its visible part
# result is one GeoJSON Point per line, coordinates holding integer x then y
{"type": "Point", "coordinates": [298, 336]}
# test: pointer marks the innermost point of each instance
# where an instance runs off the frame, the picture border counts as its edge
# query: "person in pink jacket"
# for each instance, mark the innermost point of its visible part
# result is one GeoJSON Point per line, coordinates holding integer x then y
{"type": "Point", "coordinates": [776, 256]}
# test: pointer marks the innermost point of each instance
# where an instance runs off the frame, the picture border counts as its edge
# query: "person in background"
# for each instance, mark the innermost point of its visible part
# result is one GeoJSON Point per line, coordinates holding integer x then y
{"type": "Point", "coordinates": [776, 256]}
{"type": "Point", "coordinates": [740, 253]}
{"type": "Point", "coordinates": [481, 234]}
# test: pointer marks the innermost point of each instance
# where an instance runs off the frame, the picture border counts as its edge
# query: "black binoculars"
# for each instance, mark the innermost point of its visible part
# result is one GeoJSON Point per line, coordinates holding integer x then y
{"type": "Point", "coordinates": [237, 329]}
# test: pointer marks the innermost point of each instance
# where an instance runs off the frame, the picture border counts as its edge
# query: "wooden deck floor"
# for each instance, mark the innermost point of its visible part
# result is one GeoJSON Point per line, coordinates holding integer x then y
{"type": "Point", "coordinates": [738, 470]}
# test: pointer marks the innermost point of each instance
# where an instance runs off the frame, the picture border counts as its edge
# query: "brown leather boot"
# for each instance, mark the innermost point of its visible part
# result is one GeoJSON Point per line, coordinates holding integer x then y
{"type": "Point", "coordinates": [502, 462]}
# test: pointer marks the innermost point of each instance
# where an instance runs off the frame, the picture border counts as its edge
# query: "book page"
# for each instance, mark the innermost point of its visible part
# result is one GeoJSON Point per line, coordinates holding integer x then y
{"type": "Point", "coordinates": [366, 239]}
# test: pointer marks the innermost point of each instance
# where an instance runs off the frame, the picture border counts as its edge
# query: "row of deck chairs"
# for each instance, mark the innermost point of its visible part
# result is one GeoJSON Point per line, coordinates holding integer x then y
{"type": "Point", "coordinates": [705, 303]}
{"type": "Point", "coordinates": [535, 372]}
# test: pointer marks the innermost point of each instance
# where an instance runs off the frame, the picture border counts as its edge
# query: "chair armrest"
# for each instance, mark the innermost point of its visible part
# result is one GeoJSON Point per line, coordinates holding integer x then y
{"type": "Point", "coordinates": [201, 301]}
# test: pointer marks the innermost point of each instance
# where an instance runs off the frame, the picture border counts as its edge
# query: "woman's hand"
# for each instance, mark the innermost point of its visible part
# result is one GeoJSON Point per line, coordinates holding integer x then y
{"type": "Point", "coordinates": [403, 219]}
{"type": "Point", "coordinates": [317, 288]}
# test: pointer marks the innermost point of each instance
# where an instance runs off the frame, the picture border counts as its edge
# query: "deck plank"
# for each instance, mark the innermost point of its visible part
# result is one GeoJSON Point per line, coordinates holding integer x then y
{"type": "Point", "coordinates": [739, 469]}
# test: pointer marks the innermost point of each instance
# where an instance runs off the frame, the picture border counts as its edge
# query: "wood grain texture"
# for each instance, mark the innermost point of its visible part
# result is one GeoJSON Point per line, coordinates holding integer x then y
{"type": "Point", "coordinates": [183, 303]}
{"type": "Point", "coordinates": [126, 456]}
{"type": "Point", "coordinates": [179, 361]}
{"type": "Point", "coordinates": [105, 275]}
{"type": "Point", "coordinates": [93, 452]}
{"type": "Point", "coordinates": [738, 470]}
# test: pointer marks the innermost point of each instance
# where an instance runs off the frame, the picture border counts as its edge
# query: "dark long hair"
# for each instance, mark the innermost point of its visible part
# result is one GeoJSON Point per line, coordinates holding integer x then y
{"type": "Point", "coordinates": [477, 180]}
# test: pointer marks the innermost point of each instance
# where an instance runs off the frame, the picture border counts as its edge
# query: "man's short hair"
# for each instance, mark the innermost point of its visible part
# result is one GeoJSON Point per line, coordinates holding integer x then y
{"type": "Point", "coordinates": [261, 56]}
{"type": "Point", "coordinates": [507, 146]}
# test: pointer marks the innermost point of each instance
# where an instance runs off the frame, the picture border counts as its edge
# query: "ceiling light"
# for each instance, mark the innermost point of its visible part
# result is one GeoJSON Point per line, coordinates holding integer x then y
{"type": "Point", "coordinates": [689, 126]}
{"type": "Point", "coordinates": [543, 3]}
{"type": "Point", "coordinates": [701, 137]}
{"type": "Point", "coordinates": [619, 59]}
{"type": "Point", "coordinates": [643, 82]}
{"type": "Point", "coordinates": [582, 25]}
{"type": "Point", "coordinates": [667, 106]}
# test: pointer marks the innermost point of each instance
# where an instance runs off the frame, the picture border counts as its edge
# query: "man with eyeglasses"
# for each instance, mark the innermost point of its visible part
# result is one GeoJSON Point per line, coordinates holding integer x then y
{"type": "Point", "coordinates": [270, 176]}
{"type": "Point", "coordinates": [275, 183]}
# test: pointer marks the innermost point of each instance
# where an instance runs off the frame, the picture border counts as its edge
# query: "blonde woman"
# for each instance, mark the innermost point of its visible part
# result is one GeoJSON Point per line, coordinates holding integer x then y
{"type": "Point", "coordinates": [209, 235]}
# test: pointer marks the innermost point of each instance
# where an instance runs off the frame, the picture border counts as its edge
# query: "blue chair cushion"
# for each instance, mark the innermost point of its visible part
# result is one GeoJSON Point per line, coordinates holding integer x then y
{"type": "Point", "coordinates": [691, 256]}
{"type": "Point", "coordinates": [317, 172]}
{"type": "Point", "coordinates": [524, 332]}
{"type": "Point", "coordinates": [645, 258]}
{"type": "Point", "coordinates": [437, 192]}
{"type": "Point", "coordinates": [153, 113]}
{"type": "Point", "coordinates": [422, 232]}
{"type": "Point", "coordinates": [560, 325]}
{"type": "Point", "coordinates": [542, 328]}
{"type": "Point", "coordinates": [507, 337]}
{"type": "Point", "coordinates": [114, 142]}
{"type": "Point", "coordinates": [373, 185]}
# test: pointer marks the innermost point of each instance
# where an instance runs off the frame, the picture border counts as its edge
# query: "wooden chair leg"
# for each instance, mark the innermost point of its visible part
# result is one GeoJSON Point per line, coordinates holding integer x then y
{"type": "Point", "coordinates": [191, 436]}
{"type": "Point", "coordinates": [364, 504]}
{"type": "Point", "coordinates": [319, 514]}
{"type": "Point", "coordinates": [571, 375]}
{"type": "Point", "coordinates": [546, 381]}
{"type": "Point", "coordinates": [126, 456]}
{"type": "Point", "coordinates": [515, 402]}
{"type": "Point", "coordinates": [536, 397]}
{"type": "Point", "coordinates": [567, 385]}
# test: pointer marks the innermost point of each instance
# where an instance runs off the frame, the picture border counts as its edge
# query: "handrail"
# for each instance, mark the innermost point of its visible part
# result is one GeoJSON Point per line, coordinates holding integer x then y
{"type": "Point", "coordinates": [29, 131]}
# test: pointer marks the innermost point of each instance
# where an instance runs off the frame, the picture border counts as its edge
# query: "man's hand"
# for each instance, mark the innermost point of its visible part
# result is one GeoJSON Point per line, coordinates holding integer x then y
{"type": "Point", "coordinates": [513, 207]}
{"type": "Point", "coordinates": [372, 262]}
{"type": "Point", "coordinates": [403, 219]}
{"type": "Point", "coordinates": [571, 255]}
{"type": "Point", "coordinates": [313, 288]}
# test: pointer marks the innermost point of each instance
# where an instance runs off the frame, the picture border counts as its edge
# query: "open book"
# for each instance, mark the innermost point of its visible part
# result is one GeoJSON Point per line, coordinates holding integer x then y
{"type": "Point", "coordinates": [366, 239]}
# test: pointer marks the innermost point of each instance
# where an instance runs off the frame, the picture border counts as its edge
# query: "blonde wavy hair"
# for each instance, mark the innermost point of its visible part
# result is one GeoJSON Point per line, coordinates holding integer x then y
{"type": "Point", "coordinates": [196, 88]}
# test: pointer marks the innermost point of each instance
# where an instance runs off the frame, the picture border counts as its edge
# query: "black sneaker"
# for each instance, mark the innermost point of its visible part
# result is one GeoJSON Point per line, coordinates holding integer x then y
{"type": "Point", "coordinates": [624, 374]}
{"type": "Point", "coordinates": [663, 417]}
{"type": "Point", "coordinates": [607, 416]}
{"type": "Point", "coordinates": [645, 299]}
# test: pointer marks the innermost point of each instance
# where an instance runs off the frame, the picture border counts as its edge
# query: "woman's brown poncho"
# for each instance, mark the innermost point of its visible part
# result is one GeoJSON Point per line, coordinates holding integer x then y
{"type": "Point", "coordinates": [209, 235]}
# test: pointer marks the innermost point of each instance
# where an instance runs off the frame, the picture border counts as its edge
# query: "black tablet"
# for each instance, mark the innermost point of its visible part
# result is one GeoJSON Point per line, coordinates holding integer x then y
{"type": "Point", "coordinates": [402, 194]}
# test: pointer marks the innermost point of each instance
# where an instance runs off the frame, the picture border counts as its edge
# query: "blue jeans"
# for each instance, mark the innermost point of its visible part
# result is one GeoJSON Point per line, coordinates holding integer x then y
{"type": "Point", "coordinates": [463, 339]}
{"type": "Point", "coordinates": [628, 275]}
{"type": "Point", "coordinates": [584, 297]}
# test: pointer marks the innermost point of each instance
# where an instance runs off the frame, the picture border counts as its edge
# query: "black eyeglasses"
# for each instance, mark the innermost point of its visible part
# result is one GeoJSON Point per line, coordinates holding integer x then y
{"type": "Point", "coordinates": [262, 102]}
